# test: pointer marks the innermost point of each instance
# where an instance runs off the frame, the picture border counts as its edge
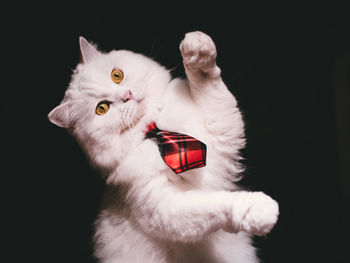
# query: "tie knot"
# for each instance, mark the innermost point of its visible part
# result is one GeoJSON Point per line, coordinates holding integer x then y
{"type": "Point", "coordinates": [152, 130]}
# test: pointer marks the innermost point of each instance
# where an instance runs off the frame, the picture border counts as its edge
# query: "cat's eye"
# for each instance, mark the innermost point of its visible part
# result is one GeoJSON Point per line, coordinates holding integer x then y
{"type": "Point", "coordinates": [102, 108]}
{"type": "Point", "coordinates": [117, 75]}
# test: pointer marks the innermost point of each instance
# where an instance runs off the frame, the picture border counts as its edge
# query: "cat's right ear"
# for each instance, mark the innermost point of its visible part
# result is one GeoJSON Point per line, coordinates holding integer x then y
{"type": "Point", "coordinates": [87, 50]}
{"type": "Point", "coordinates": [60, 116]}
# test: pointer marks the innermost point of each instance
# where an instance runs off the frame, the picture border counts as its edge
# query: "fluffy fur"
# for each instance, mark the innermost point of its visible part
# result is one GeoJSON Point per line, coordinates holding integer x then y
{"type": "Point", "coordinates": [149, 214]}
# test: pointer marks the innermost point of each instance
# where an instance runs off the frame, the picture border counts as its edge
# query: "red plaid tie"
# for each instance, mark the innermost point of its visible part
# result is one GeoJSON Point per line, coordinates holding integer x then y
{"type": "Point", "coordinates": [179, 151]}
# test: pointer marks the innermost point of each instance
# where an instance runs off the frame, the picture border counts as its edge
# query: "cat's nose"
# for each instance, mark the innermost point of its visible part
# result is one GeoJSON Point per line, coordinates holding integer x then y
{"type": "Point", "coordinates": [127, 96]}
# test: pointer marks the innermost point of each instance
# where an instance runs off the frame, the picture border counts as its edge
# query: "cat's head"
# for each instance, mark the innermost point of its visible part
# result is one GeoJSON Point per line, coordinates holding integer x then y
{"type": "Point", "coordinates": [108, 94]}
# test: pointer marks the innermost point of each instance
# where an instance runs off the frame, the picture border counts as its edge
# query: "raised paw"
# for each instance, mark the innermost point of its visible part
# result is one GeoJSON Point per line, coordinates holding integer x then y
{"type": "Point", "coordinates": [198, 51]}
{"type": "Point", "coordinates": [258, 214]}
{"type": "Point", "coordinates": [261, 216]}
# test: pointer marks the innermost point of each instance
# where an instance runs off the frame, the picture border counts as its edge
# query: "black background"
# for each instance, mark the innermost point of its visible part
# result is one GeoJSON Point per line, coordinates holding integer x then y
{"type": "Point", "coordinates": [278, 59]}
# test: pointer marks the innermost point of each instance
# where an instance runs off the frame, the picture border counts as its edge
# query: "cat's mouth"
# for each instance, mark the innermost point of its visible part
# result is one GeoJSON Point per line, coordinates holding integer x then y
{"type": "Point", "coordinates": [130, 112]}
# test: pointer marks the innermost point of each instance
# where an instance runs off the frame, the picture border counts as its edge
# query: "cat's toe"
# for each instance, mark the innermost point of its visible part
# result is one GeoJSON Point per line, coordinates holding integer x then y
{"type": "Point", "coordinates": [198, 50]}
{"type": "Point", "coordinates": [261, 216]}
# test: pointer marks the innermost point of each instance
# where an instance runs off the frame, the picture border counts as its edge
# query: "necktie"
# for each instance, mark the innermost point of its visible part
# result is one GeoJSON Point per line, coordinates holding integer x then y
{"type": "Point", "coordinates": [179, 151]}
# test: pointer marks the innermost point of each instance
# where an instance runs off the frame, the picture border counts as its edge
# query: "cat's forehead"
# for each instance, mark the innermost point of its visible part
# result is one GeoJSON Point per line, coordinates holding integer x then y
{"type": "Point", "coordinates": [123, 59]}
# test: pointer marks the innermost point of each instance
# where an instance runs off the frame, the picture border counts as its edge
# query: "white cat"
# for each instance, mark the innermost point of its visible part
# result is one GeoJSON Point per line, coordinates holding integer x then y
{"type": "Point", "coordinates": [149, 213]}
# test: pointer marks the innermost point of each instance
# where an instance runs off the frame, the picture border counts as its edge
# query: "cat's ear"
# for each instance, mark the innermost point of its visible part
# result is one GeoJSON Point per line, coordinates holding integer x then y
{"type": "Point", "coordinates": [60, 116]}
{"type": "Point", "coordinates": [87, 50]}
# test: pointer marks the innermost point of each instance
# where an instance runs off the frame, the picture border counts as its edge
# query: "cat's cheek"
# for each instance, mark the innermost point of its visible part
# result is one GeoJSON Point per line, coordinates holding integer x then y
{"type": "Point", "coordinates": [108, 124]}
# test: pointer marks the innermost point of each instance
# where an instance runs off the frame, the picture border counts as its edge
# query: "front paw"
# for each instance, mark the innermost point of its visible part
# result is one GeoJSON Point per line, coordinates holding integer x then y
{"type": "Point", "coordinates": [198, 51]}
{"type": "Point", "coordinates": [257, 214]}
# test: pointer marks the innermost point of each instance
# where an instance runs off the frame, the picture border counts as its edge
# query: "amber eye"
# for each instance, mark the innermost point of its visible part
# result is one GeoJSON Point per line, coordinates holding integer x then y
{"type": "Point", "coordinates": [117, 75]}
{"type": "Point", "coordinates": [102, 108]}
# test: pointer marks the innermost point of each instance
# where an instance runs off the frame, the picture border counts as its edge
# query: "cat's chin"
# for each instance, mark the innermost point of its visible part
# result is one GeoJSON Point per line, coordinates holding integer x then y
{"type": "Point", "coordinates": [127, 126]}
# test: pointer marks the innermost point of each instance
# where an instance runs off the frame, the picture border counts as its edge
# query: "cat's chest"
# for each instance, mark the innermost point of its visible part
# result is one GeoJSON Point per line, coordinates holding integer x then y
{"type": "Point", "coordinates": [143, 160]}
{"type": "Point", "coordinates": [179, 112]}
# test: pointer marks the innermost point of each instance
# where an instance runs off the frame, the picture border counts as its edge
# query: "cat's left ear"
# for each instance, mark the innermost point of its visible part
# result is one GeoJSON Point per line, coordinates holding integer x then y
{"type": "Point", "coordinates": [87, 50]}
{"type": "Point", "coordinates": [60, 116]}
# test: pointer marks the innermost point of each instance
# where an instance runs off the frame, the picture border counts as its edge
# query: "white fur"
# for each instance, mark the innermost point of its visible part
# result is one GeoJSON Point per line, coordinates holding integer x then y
{"type": "Point", "coordinates": [150, 214]}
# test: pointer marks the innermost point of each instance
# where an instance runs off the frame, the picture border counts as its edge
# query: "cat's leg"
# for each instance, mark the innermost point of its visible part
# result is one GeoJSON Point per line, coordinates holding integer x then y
{"type": "Point", "coordinates": [218, 105]}
{"type": "Point", "coordinates": [255, 211]}
{"type": "Point", "coordinates": [192, 215]}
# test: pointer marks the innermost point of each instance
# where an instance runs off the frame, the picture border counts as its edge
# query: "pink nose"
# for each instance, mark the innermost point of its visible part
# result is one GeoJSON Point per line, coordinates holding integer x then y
{"type": "Point", "coordinates": [127, 96]}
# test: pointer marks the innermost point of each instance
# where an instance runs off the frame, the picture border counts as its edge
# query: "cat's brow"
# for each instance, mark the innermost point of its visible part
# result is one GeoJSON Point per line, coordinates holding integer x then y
{"type": "Point", "coordinates": [101, 95]}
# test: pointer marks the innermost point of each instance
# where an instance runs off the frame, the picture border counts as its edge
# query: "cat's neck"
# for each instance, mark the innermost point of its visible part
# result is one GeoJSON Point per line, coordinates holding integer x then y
{"type": "Point", "coordinates": [130, 138]}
